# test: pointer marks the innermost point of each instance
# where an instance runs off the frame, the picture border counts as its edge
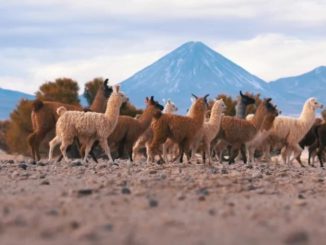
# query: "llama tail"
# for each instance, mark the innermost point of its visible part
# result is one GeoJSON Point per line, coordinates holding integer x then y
{"type": "Point", "coordinates": [61, 110]}
{"type": "Point", "coordinates": [37, 105]}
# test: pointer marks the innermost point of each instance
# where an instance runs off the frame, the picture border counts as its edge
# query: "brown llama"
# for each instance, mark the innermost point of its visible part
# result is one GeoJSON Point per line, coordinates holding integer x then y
{"type": "Point", "coordinates": [180, 129]}
{"type": "Point", "coordinates": [129, 129]}
{"type": "Point", "coordinates": [44, 116]}
{"type": "Point", "coordinates": [235, 131]}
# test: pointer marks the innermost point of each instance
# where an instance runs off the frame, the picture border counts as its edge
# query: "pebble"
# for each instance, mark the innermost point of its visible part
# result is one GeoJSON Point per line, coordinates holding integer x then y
{"type": "Point", "coordinates": [45, 182]}
{"type": "Point", "coordinates": [296, 238]}
{"type": "Point", "coordinates": [203, 191]}
{"type": "Point", "coordinates": [152, 202]}
{"type": "Point", "coordinates": [23, 166]}
{"type": "Point", "coordinates": [84, 192]}
{"type": "Point", "coordinates": [125, 190]}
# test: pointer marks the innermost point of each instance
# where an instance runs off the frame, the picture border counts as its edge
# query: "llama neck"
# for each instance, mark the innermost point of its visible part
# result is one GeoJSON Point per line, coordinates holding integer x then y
{"type": "Point", "coordinates": [307, 115]}
{"type": "Point", "coordinates": [99, 102]}
{"type": "Point", "coordinates": [197, 115]}
{"type": "Point", "coordinates": [215, 117]}
{"type": "Point", "coordinates": [240, 109]}
{"type": "Point", "coordinates": [258, 118]}
{"type": "Point", "coordinates": [146, 118]}
{"type": "Point", "coordinates": [113, 108]}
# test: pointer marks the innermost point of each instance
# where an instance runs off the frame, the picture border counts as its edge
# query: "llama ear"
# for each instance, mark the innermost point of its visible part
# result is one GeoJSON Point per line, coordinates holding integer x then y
{"type": "Point", "coordinates": [205, 97]}
{"type": "Point", "coordinates": [146, 100]}
{"type": "Point", "coordinates": [152, 98]}
{"type": "Point", "coordinates": [268, 99]}
{"type": "Point", "coordinates": [116, 88]}
{"type": "Point", "coordinates": [194, 96]}
{"type": "Point", "coordinates": [169, 101]}
{"type": "Point", "coordinates": [106, 81]}
{"type": "Point", "coordinates": [241, 93]}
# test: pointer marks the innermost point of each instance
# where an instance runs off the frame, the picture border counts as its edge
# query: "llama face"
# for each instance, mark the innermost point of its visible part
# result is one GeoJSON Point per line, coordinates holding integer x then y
{"type": "Point", "coordinates": [314, 104]}
{"type": "Point", "coordinates": [118, 93]}
{"type": "Point", "coordinates": [170, 107]}
{"type": "Point", "coordinates": [156, 104]}
{"type": "Point", "coordinates": [246, 100]}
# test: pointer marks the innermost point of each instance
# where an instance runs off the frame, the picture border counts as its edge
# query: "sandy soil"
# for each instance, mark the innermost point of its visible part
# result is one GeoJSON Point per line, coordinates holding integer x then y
{"type": "Point", "coordinates": [59, 203]}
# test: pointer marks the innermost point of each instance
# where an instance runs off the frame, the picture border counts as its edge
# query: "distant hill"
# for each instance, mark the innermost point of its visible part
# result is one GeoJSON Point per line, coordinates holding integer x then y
{"type": "Point", "coordinates": [191, 68]}
{"type": "Point", "coordinates": [9, 100]}
{"type": "Point", "coordinates": [295, 90]}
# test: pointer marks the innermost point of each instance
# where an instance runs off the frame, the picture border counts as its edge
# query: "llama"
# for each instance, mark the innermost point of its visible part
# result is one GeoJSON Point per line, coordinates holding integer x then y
{"type": "Point", "coordinates": [147, 136]}
{"type": "Point", "coordinates": [292, 130]}
{"type": "Point", "coordinates": [129, 129]}
{"type": "Point", "coordinates": [235, 131]}
{"type": "Point", "coordinates": [309, 139]}
{"type": "Point", "coordinates": [319, 145]}
{"type": "Point", "coordinates": [240, 112]}
{"type": "Point", "coordinates": [44, 116]}
{"type": "Point", "coordinates": [210, 129]}
{"type": "Point", "coordinates": [242, 103]}
{"type": "Point", "coordinates": [88, 126]}
{"type": "Point", "coordinates": [181, 129]}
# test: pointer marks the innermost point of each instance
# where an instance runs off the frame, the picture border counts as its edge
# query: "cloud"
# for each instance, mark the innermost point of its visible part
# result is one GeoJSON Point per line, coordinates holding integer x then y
{"type": "Point", "coordinates": [271, 56]}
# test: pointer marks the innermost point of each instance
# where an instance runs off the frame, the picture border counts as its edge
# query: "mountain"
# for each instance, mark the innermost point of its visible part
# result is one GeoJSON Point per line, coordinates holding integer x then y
{"type": "Point", "coordinates": [191, 68]}
{"type": "Point", "coordinates": [8, 101]}
{"type": "Point", "coordinates": [295, 90]}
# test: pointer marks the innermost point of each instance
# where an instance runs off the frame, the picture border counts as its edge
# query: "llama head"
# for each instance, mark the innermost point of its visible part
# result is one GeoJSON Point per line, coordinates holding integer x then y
{"type": "Point", "coordinates": [271, 113]}
{"type": "Point", "coordinates": [246, 100]}
{"type": "Point", "coordinates": [219, 105]}
{"type": "Point", "coordinates": [313, 104]}
{"type": "Point", "coordinates": [151, 102]}
{"type": "Point", "coordinates": [170, 107]}
{"type": "Point", "coordinates": [106, 88]}
{"type": "Point", "coordinates": [118, 95]}
{"type": "Point", "coordinates": [199, 104]}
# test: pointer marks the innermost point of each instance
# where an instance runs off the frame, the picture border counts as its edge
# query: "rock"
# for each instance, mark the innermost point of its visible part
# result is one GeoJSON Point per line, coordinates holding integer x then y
{"type": "Point", "coordinates": [23, 166]}
{"type": "Point", "coordinates": [152, 202]}
{"type": "Point", "coordinates": [11, 161]}
{"type": "Point", "coordinates": [108, 227]}
{"type": "Point", "coordinates": [152, 172]}
{"type": "Point", "coordinates": [301, 196]}
{"type": "Point", "coordinates": [45, 182]}
{"type": "Point", "coordinates": [224, 171]}
{"type": "Point", "coordinates": [203, 191]}
{"type": "Point", "coordinates": [125, 190]}
{"type": "Point", "coordinates": [213, 170]}
{"type": "Point", "coordinates": [42, 164]}
{"type": "Point", "coordinates": [52, 212]}
{"type": "Point", "coordinates": [84, 192]}
{"type": "Point", "coordinates": [201, 198]}
{"type": "Point", "coordinates": [212, 212]}
{"type": "Point", "coordinates": [296, 238]}
{"type": "Point", "coordinates": [76, 164]}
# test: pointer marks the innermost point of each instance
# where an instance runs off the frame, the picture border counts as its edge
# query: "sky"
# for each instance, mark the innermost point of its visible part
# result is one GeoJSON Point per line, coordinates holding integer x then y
{"type": "Point", "coordinates": [41, 40]}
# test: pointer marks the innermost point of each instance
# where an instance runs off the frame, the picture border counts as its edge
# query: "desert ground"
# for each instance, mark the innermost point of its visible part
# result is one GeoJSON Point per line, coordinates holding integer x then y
{"type": "Point", "coordinates": [71, 203]}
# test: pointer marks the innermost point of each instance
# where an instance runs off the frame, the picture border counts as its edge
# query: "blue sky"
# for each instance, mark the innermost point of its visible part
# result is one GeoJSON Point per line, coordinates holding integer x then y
{"type": "Point", "coordinates": [41, 40]}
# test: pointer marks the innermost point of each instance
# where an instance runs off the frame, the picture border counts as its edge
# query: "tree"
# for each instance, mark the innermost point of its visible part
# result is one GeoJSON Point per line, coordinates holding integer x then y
{"type": "Point", "coordinates": [3, 129]}
{"type": "Point", "coordinates": [62, 89]}
{"type": "Point", "coordinates": [91, 88]}
{"type": "Point", "coordinates": [19, 127]}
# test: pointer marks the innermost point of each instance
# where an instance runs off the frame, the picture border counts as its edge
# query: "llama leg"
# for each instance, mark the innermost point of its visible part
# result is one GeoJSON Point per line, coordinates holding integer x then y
{"type": "Point", "coordinates": [39, 136]}
{"type": "Point", "coordinates": [104, 145]}
{"type": "Point", "coordinates": [53, 143]}
{"type": "Point", "coordinates": [207, 153]}
{"type": "Point", "coordinates": [320, 154]}
{"type": "Point", "coordinates": [296, 151]}
{"type": "Point", "coordinates": [165, 155]}
{"type": "Point", "coordinates": [64, 145]}
{"type": "Point", "coordinates": [31, 139]}
{"type": "Point", "coordinates": [243, 153]}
